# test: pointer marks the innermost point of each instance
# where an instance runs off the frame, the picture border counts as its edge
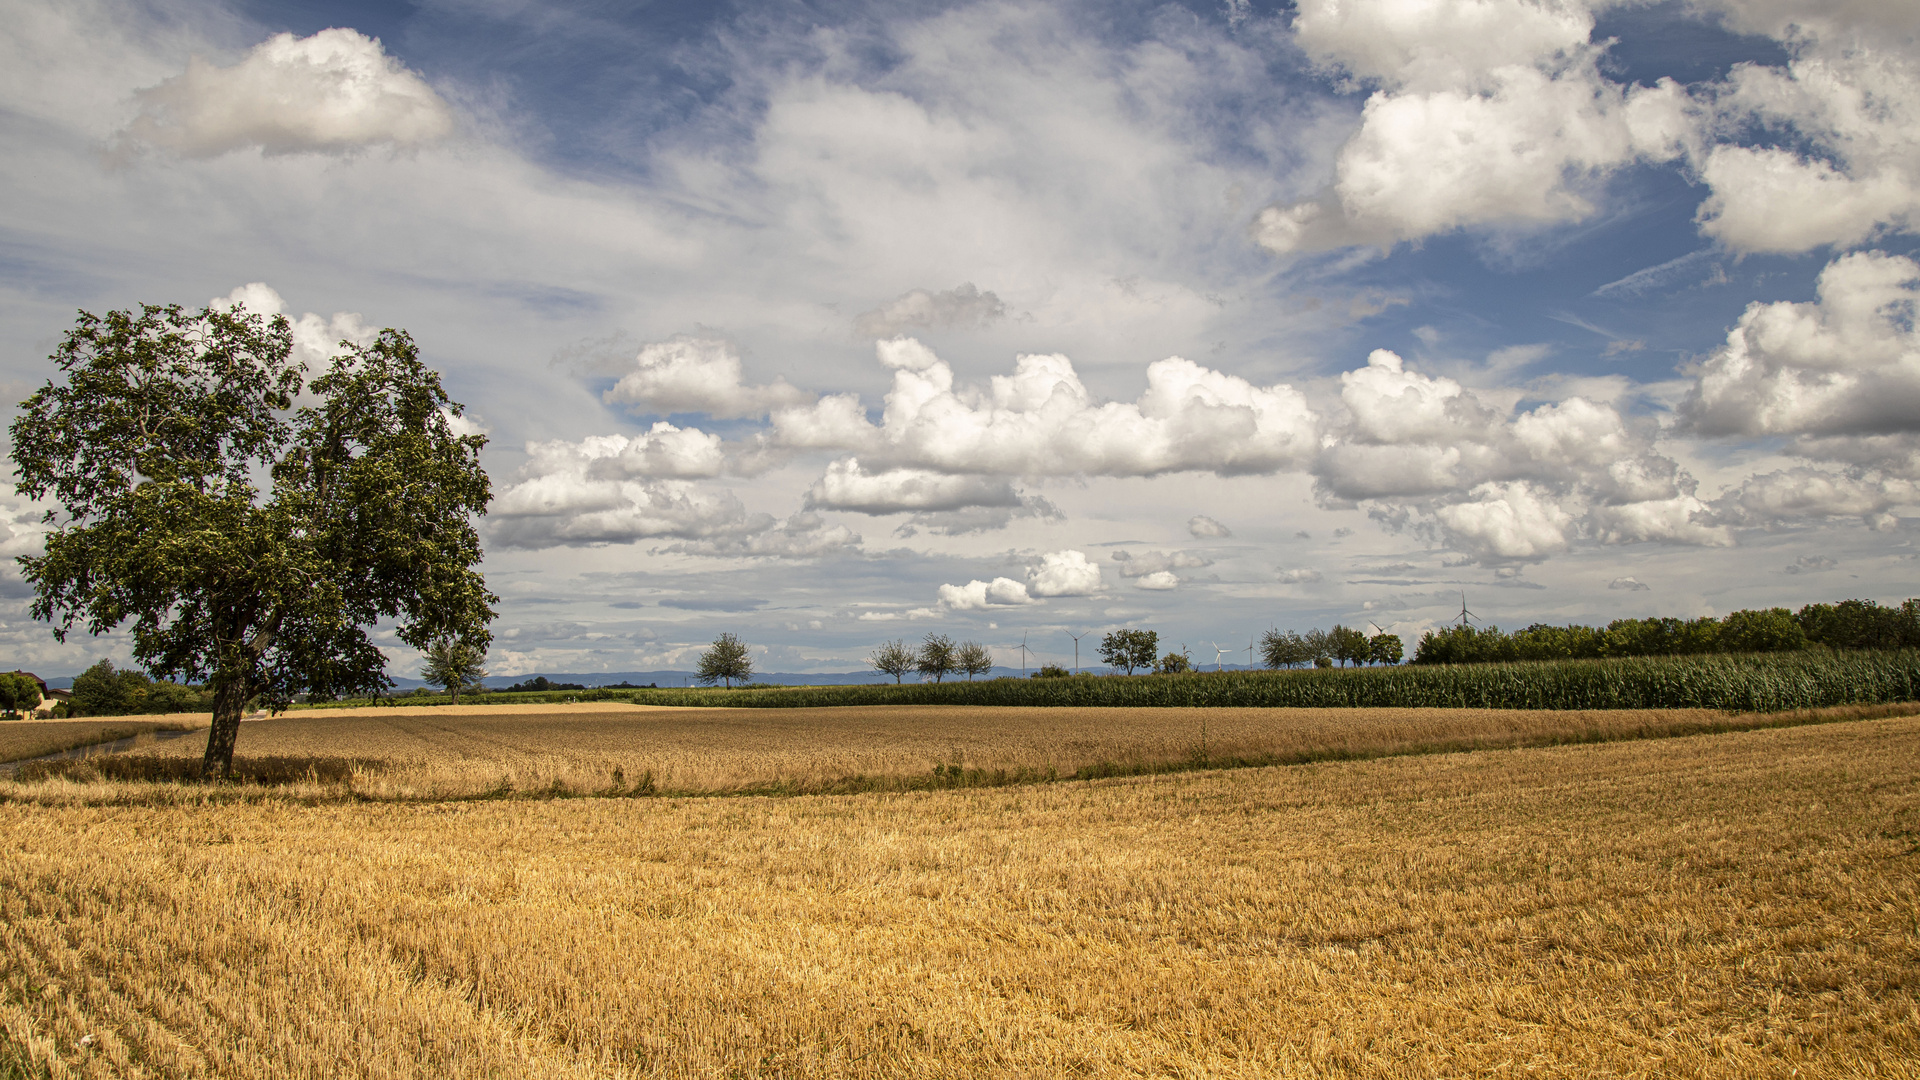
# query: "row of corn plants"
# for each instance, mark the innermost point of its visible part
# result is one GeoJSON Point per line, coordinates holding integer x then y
{"type": "Point", "coordinates": [1760, 682]}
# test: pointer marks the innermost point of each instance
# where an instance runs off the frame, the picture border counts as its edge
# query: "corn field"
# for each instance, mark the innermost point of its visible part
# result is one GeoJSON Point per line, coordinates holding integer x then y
{"type": "Point", "coordinates": [1758, 682]}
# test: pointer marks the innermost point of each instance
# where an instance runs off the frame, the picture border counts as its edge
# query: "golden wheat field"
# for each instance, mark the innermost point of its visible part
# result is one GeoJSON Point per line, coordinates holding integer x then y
{"type": "Point", "coordinates": [436, 753]}
{"type": "Point", "coordinates": [1730, 905]}
{"type": "Point", "coordinates": [32, 738]}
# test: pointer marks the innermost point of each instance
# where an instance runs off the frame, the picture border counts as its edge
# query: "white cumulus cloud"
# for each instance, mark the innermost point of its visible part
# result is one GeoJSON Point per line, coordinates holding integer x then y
{"type": "Point", "coordinates": [978, 595]}
{"type": "Point", "coordinates": [611, 489]}
{"type": "Point", "coordinates": [316, 338]}
{"type": "Point", "coordinates": [1788, 494]}
{"type": "Point", "coordinates": [572, 508]}
{"type": "Point", "coordinates": [1854, 102]}
{"type": "Point", "coordinates": [847, 486]}
{"type": "Point", "coordinates": [1064, 573]}
{"type": "Point", "coordinates": [1507, 522]}
{"type": "Point", "coordinates": [1147, 563]}
{"type": "Point", "coordinates": [1158, 581]}
{"type": "Point", "coordinates": [333, 92]}
{"type": "Point", "coordinates": [1489, 112]}
{"type": "Point", "coordinates": [801, 536]}
{"type": "Point", "coordinates": [1682, 519]}
{"type": "Point", "coordinates": [698, 375]}
{"type": "Point", "coordinates": [1042, 421]}
{"type": "Point", "coordinates": [1847, 363]}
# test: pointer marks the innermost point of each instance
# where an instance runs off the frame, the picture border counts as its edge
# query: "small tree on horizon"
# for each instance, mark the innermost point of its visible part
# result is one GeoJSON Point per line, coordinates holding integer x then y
{"type": "Point", "coordinates": [936, 657]}
{"type": "Point", "coordinates": [1319, 647]}
{"type": "Point", "coordinates": [1385, 648]}
{"type": "Point", "coordinates": [454, 665]}
{"type": "Point", "coordinates": [974, 659]}
{"type": "Point", "coordinates": [725, 661]}
{"type": "Point", "coordinates": [1347, 645]}
{"type": "Point", "coordinates": [1130, 649]}
{"type": "Point", "coordinates": [1284, 649]}
{"type": "Point", "coordinates": [892, 658]}
{"type": "Point", "coordinates": [1174, 663]}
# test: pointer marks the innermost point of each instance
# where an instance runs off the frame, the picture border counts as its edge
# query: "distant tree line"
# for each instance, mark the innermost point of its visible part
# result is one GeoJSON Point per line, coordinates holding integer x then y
{"type": "Point", "coordinates": [1849, 624]}
{"type": "Point", "coordinates": [539, 683]}
{"type": "Point", "coordinates": [101, 690]}
{"type": "Point", "coordinates": [936, 658]}
{"type": "Point", "coordinates": [1323, 648]}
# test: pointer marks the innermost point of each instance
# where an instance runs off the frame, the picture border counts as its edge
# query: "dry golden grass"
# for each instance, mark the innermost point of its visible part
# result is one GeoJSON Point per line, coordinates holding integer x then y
{"type": "Point", "coordinates": [441, 753]}
{"type": "Point", "coordinates": [1739, 905]}
{"type": "Point", "coordinates": [20, 739]}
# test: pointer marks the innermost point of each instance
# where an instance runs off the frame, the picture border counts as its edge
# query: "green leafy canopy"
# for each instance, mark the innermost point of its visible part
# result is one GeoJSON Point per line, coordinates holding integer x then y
{"type": "Point", "coordinates": [251, 542]}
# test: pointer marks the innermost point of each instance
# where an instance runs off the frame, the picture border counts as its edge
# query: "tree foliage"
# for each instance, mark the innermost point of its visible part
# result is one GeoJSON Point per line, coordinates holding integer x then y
{"type": "Point", "coordinates": [1385, 648]}
{"type": "Point", "coordinates": [893, 658]}
{"type": "Point", "coordinates": [1850, 624]}
{"type": "Point", "coordinates": [101, 690]}
{"type": "Point", "coordinates": [1319, 647]}
{"type": "Point", "coordinates": [1130, 649]}
{"type": "Point", "coordinates": [937, 657]}
{"type": "Point", "coordinates": [974, 659]}
{"type": "Point", "coordinates": [1347, 645]}
{"type": "Point", "coordinates": [1284, 649]}
{"type": "Point", "coordinates": [725, 661]}
{"type": "Point", "coordinates": [18, 693]}
{"type": "Point", "coordinates": [1174, 663]}
{"type": "Point", "coordinates": [454, 665]}
{"type": "Point", "coordinates": [249, 542]}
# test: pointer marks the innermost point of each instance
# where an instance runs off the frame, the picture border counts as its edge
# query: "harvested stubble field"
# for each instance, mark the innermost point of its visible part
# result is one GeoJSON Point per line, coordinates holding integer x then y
{"type": "Point", "coordinates": [598, 749]}
{"type": "Point", "coordinates": [20, 739]}
{"type": "Point", "coordinates": [1733, 905]}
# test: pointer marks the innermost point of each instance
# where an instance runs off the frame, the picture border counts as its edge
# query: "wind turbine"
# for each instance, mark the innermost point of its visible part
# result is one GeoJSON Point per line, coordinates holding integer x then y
{"type": "Point", "coordinates": [1218, 652]}
{"type": "Point", "coordinates": [1076, 647]}
{"type": "Point", "coordinates": [1465, 615]}
{"type": "Point", "coordinates": [1023, 654]}
{"type": "Point", "coordinates": [1249, 653]}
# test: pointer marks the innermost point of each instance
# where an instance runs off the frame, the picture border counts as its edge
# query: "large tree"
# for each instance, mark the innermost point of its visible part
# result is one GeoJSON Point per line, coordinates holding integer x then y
{"type": "Point", "coordinates": [251, 542]}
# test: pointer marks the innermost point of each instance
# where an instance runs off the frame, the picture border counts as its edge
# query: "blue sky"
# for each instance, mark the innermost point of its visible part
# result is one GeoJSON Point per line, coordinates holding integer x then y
{"type": "Point", "coordinates": [831, 323]}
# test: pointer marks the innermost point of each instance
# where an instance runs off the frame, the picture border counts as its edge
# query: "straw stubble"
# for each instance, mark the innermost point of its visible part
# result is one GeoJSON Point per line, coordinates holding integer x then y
{"type": "Point", "coordinates": [1737, 905]}
{"type": "Point", "coordinates": [440, 753]}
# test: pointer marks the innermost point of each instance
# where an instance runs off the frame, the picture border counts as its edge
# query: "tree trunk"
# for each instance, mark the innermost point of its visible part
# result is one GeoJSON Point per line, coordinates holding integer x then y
{"type": "Point", "coordinates": [453, 691]}
{"type": "Point", "coordinates": [229, 701]}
